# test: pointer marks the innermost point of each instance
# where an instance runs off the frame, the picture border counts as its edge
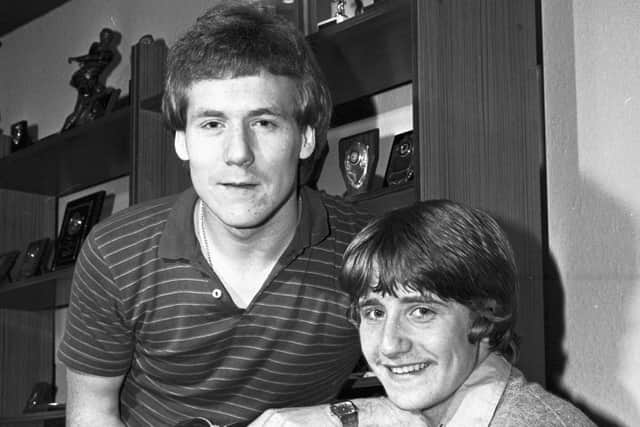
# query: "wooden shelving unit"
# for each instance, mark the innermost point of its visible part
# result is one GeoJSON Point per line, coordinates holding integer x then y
{"type": "Point", "coordinates": [42, 292]}
{"type": "Point", "coordinates": [68, 161]}
{"type": "Point", "coordinates": [477, 127]}
{"type": "Point", "coordinates": [32, 417]}
{"type": "Point", "coordinates": [381, 200]}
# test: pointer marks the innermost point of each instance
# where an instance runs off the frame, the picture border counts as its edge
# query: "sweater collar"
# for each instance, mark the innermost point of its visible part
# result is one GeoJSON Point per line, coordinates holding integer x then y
{"type": "Point", "coordinates": [475, 402]}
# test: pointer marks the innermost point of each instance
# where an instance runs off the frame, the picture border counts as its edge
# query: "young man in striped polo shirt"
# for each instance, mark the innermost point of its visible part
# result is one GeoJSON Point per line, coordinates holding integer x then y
{"type": "Point", "coordinates": [223, 301]}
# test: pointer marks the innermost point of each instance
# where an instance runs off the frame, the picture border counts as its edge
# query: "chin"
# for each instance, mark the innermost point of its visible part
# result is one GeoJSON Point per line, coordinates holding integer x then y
{"type": "Point", "coordinates": [407, 403]}
{"type": "Point", "coordinates": [249, 224]}
{"type": "Point", "coordinates": [409, 400]}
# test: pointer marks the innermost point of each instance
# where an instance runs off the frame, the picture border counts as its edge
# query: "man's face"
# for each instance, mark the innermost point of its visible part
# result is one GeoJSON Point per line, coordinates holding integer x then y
{"type": "Point", "coordinates": [243, 146]}
{"type": "Point", "coordinates": [418, 347]}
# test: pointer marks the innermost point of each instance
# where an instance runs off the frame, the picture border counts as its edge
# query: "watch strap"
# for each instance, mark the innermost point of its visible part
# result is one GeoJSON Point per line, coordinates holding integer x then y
{"type": "Point", "coordinates": [347, 412]}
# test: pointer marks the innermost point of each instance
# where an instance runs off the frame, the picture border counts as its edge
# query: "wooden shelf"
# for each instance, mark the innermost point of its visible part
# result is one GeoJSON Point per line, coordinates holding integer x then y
{"type": "Point", "coordinates": [380, 200]}
{"type": "Point", "coordinates": [34, 416]}
{"type": "Point", "coordinates": [49, 290]}
{"type": "Point", "coordinates": [366, 54]}
{"type": "Point", "coordinates": [72, 160]}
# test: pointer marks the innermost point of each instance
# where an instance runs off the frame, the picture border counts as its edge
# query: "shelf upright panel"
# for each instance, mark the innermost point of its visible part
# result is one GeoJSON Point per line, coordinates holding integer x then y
{"type": "Point", "coordinates": [26, 336]}
{"type": "Point", "coordinates": [156, 170]}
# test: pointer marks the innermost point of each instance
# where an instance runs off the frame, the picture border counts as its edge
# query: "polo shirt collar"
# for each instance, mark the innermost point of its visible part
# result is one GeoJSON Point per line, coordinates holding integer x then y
{"type": "Point", "coordinates": [475, 402]}
{"type": "Point", "coordinates": [314, 223]}
{"type": "Point", "coordinates": [179, 241]}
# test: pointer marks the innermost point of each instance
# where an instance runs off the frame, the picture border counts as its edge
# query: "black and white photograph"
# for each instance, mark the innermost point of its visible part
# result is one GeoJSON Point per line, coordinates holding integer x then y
{"type": "Point", "coordinates": [333, 213]}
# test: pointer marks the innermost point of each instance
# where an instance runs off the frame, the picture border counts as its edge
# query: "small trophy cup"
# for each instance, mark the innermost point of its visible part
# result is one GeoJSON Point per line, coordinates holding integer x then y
{"type": "Point", "coordinates": [345, 9]}
{"type": "Point", "coordinates": [400, 169]}
{"type": "Point", "coordinates": [358, 159]}
{"type": "Point", "coordinates": [19, 136]}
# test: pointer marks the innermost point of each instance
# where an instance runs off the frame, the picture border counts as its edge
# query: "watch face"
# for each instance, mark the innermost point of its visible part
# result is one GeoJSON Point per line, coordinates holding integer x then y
{"type": "Point", "coordinates": [343, 408]}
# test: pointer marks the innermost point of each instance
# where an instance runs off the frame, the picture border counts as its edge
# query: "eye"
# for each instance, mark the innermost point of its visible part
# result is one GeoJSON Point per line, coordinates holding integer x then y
{"type": "Point", "coordinates": [422, 313]}
{"type": "Point", "coordinates": [211, 124]}
{"type": "Point", "coordinates": [371, 313]}
{"type": "Point", "coordinates": [264, 123]}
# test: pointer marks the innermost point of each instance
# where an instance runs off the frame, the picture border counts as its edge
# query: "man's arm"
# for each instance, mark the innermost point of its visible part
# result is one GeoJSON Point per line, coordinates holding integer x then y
{"type": "Point", "coordinates": [372, 412]}
{"type": "Point", "coordinates": [93, 400]}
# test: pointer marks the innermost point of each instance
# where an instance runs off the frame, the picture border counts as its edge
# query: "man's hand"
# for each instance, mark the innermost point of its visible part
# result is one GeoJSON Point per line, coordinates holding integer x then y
{"type": "Point", "coordinates": [372, 412]}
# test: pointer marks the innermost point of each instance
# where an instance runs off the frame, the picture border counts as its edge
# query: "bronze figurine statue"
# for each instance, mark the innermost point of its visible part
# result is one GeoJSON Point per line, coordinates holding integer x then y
{"type": "Point", "coordinates": [94, 97]}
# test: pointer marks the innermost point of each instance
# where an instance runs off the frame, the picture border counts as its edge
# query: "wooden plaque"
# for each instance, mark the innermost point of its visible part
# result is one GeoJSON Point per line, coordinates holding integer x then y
{"type": "Point", "coordinates": [79, 216]}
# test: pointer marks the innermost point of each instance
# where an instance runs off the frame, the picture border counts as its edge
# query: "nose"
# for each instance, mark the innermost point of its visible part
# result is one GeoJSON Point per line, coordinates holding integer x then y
{"type": "Point", "coordinates": [238, 150]}
{"type": "Point", "coordinates": [394, 340]}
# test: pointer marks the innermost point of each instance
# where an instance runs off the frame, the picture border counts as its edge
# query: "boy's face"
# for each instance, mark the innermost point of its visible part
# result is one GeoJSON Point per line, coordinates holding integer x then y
{"type": "Point", "coordinates": [243, 145]}
{"type": "Point", "coordinates": [418, 347]}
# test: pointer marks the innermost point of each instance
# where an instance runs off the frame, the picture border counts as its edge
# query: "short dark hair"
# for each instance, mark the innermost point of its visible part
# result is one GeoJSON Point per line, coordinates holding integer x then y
{"type": "Point", "coordinates": [236, 39]}
{"type": "Point", "coordinates": [445, 248]}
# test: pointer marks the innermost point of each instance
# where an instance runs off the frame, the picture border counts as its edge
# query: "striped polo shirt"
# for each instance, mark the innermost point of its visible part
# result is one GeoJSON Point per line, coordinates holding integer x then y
{"type": "Point", "coordinates": [145, 304]}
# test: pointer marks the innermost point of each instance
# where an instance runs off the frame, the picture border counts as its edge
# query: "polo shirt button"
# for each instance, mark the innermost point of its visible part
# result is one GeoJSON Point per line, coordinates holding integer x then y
{"type": "Point", "coordinates": [216, 293]}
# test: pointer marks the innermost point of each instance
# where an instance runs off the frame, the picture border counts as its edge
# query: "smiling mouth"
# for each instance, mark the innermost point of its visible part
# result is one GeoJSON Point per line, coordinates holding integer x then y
{"type": "Point", "coordinates": [407, 369]}
{"type": "Point", "coordinates": [238, 185]}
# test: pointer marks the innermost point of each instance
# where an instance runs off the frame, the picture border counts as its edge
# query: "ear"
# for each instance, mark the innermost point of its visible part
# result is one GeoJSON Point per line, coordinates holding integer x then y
{"type": "Point", "coordinates": [180, 145]}
{"type": "Point", "coordinates": [308, 142]}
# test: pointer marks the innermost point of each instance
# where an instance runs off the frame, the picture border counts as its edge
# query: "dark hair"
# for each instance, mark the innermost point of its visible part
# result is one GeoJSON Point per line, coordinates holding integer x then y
{"type": "Point", "coordinates": [234, 39]}
{"type": "Point", "coordinates": [445, 248]}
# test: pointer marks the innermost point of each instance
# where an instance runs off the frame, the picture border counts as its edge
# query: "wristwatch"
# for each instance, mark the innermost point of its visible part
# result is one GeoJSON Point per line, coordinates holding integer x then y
{"type": "Point", "coordinates": [347, 412]}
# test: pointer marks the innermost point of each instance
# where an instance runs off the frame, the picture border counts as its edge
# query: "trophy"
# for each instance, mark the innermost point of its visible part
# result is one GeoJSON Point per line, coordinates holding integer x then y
{"type": "Point", "coordinates": [358, 160]}
{"type": "Point", "coordinates": [19, 136]}
{"type": "Point", "coordinates": [94, 98]}
{"type": "Point", "coordinates": [345, 9]}
{"type": "Point", "coordinates": [32, 262]}
{"type": "Point", "coordinates": [400, 168]}
{"type": "Point", "coordinates": [7, 260]}
{"type": "Point", "coordinates": [79, 216]}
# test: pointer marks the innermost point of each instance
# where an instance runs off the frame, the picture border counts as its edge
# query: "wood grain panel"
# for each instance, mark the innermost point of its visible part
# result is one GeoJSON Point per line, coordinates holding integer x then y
{"type": "Point", "coordinates": [159, 171]}
{"type": "Point", "coordinates": [26, 356]}
{"type": "Point", "coordinates": [25, 217]}
{"type": "Point", "coordinates": [26, 337]}
{"type": "Point", "coordinates": [480, 130]}
{"type": "Point", "coordinates": [5, 145]}
{"type": "Point", "coordinates": [156, 170]}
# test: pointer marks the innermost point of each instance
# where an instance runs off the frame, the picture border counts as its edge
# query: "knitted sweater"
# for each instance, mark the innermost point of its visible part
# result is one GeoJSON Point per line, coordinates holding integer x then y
{"type": "Point", "coordinates": [497, 394]}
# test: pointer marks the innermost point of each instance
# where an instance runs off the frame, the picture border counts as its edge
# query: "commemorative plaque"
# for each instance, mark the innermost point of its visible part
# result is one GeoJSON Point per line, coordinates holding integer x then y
{"type": "Point", "coordinates": [79, 216]}
{"type": "Point", "coordinates": [7, 260]}
{"type": "Point", "coordinates": [400, 168]}
{"type": "Point", "coordinates": [20, 136]}
{"type": "Point", "coordinates": [33, 259]}
{"type": "Point", "coordinates": [358, 159]}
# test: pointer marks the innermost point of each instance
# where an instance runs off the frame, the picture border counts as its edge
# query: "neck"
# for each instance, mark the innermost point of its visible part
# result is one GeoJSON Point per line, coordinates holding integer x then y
{"type": "Point", "coordinates": [243, 261]}
{"type": "Point", "coordinates": [442, 412]}
{"type": "Point", "coordinates": [265, 242]}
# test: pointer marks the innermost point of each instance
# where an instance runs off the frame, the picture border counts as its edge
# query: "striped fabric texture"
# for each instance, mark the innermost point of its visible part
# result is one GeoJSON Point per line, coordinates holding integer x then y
{"type": "Point", "coordinates": [145, 304]}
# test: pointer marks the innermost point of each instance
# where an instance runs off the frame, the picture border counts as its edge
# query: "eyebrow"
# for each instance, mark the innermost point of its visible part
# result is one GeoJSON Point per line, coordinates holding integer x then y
{"type": "Point", "coordinates": [205, 112]}
{"type": "Point", "coordinates": [416, 299]}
